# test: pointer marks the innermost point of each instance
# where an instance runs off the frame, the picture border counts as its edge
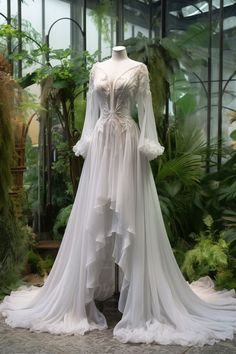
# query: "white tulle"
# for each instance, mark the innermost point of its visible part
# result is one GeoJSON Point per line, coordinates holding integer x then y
{"type": "Point", "coordinates": [116, 216]}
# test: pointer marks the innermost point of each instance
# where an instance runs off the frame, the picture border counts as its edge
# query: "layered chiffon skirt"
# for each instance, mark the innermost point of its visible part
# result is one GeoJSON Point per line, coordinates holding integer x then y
{"type": "Point", "coordinates": [116, 218]}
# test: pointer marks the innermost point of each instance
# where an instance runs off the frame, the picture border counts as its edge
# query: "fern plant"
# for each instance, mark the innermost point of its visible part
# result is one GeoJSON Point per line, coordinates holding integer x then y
{"type": "Point", "coordinates": [218, 197]}
{"type": "Point", "coordinates": [210, 256]}
{"type": "Point", "coordinates": [61, 221]}
{"type": "Point", "coordinates": [38, 264]}
{"type": "Point", "coordinates": [101, 14]}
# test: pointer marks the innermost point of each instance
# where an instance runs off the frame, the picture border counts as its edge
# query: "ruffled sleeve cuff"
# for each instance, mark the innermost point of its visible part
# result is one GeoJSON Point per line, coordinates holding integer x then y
{"type": "Point", "coordinates": [81, 147]}
{"type": "Point", "coordinates": [151, 149]}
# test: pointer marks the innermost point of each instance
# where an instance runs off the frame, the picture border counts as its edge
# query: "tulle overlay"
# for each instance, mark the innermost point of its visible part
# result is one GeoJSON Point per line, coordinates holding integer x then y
{"type": "Point", "coordinates": [116, 216]}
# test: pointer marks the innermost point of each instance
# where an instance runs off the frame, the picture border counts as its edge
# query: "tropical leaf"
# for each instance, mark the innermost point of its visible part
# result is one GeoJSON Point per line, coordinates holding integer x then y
{"type": "Point", "coordinates": [189, 47]}
{"type": "Point", "coordinates": [61, 221]}
{"type": "Point", "coordinates": [227, 193]}
{"type": "Point", "coordinates": [233, 135]}
{"type": "Point", "coordinates": [189, 139]}
{"type": "Point", "coordinates": [186, 105]}
{"type": "Point", "coordinates": [160, 66]}
{"type": "Point", "coordinates": [229, 216]}
{"type": "Point", "coordinates": [179, 85]}
{"type": "Point", "coordinates": [186, 168]}
{"type": "Point", "coordinates": [230, 235]}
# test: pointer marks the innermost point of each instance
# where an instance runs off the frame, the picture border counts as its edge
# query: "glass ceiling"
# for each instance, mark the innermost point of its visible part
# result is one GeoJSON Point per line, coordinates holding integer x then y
{"type": "Point", "coordinates": [201, 7]}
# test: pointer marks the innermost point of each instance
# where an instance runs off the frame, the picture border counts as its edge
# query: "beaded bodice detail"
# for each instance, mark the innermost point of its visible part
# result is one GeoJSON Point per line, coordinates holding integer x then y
{"type": "Point", "coordinates": [117, 96]}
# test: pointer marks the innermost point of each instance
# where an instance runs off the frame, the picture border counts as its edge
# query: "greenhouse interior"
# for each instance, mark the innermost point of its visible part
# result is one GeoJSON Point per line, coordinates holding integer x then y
{"type": "Point", "coordinates": [184, 99]}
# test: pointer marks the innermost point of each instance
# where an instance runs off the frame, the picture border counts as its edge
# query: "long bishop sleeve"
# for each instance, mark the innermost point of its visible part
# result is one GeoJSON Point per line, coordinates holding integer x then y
{"type": "Point", "coordinates": [91, 117]}
{"type": "Point", "coordinates": [148, 141]}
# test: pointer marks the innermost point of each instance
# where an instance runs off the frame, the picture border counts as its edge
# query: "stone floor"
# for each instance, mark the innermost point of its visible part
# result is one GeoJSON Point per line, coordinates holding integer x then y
{"type": "Point", "coordinates": [22, 341]}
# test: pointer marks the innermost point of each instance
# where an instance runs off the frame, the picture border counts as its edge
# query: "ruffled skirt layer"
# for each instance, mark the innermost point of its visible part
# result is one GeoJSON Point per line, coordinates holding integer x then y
{"type": "Point", "coordinates": [116, 216]}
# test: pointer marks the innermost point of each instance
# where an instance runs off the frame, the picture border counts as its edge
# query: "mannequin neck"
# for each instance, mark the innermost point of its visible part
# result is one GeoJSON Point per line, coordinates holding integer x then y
{"type": "Point", "coordinates": [119, 53]}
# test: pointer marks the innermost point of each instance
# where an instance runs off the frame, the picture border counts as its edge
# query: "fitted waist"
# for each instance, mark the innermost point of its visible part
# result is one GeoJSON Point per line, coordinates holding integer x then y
{"type": "Point", "coordinates": [114, 113]}
{"type": "Point", "coordinates": [121, 120]}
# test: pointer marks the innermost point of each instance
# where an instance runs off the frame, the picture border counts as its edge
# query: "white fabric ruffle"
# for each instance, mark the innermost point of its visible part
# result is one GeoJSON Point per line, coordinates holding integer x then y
{"type": "Point", "coordinates": [151, 149]}
{"type": "Point", "coordinates": [81, 147]}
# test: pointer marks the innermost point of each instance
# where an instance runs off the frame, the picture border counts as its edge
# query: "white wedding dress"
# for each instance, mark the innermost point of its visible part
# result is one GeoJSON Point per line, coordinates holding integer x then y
{"type": "Point", "coordinates": [116, 216]}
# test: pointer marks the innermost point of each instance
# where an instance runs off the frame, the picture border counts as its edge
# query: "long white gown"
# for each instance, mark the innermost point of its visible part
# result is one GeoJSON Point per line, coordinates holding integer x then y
{"type": "Point", "coordinates": [116, 216]}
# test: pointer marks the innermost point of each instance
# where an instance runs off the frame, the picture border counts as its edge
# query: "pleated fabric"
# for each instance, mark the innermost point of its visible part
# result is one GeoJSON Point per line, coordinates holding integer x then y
{"type": "Point", "coordinates": [116, 218]}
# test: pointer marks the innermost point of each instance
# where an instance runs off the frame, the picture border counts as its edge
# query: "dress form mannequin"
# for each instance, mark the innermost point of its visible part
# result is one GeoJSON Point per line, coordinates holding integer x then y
{"type": "Point", "coordinates": [118, 62]}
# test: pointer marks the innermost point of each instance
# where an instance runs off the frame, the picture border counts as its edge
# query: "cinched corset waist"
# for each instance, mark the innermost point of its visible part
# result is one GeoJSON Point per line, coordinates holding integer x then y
{"type": "Point", "coordinates": [113, 113]}
{"type": "Point", "coordinates": [116, 118]}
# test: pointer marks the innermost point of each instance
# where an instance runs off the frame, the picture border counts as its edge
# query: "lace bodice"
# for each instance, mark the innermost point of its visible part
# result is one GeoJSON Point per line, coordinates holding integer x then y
{"type": "Point", "coordinates": [114, 99]}
{"type": "Point", "coordinates": [118, 94]}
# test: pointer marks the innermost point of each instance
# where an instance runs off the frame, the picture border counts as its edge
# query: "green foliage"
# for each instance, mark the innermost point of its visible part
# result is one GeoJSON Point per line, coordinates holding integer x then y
{"type": "Point", "coordinates": [63, 82]}
{"type": "Point", "coordinates": [33, 260]}
{"type": "Point", "coordinates": [38, 264]}
{"type": "Point", "coordinates": [79, 108]}
{"type": "Point", "coordinates": [218, 192]}
{"type": "Point", "coordinates": [160, 66]}
{"type": "Point", "coordinates": [70, 70]}
{"type": "Point", "coordinates": [182, 94]}
{"type": "Point", "coordinates": [188, 47]}
{"type": "Point", "coordinates": [229, 220]}
{"type": "Point", "coordinates": [213, 250]}
{"type": "Point", "coordinates": [14, 241]}
{"type": "Point", "coordinates": [31, 176]}
{"type": "Point", "coordinates": [61, 182]}
{"type": "Point", "coordinates": [233, 135]}
{"type": "Point", "coordinates": [185, 168]}
{"type": "Point", "coordinates": [209, 255]}
{"type": "Point", "coordinates": [61, 222]}
{"type": "Point", "coordinates": [29, 37]}
{"type": "Point", "coordinates": [45, 264]}
{"type": "Point", "coordinates": [68, 74]}
{"type": "Point", "coordinates": [101, 17]}
{"type": "Point", "coordinates": [177, 175]}
{"type": "Point", "coordinates": [226, 278]}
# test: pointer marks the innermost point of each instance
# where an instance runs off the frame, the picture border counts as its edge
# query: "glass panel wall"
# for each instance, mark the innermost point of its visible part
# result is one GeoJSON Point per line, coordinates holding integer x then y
{"type": "Point", "coordinates": [213, 46]}
{"type": "Point", "coordinates": [136, 18]}
{"type": "Point", "coordinates": [60, 33]}
{"type": "Point", "coordinates": [32, 13]}
{"type": "Point", "coordinates": [101, 27]}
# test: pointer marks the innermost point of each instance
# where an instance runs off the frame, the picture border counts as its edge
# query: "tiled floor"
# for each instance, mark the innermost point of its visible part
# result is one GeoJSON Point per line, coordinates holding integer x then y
{"type": "Point", "coordinates": [22, 341]}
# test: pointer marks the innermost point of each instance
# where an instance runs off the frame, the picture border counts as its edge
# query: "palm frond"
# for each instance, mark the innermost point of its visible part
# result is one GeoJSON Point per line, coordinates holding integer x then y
{"type": "Point", "coordinates": [186, 168]}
